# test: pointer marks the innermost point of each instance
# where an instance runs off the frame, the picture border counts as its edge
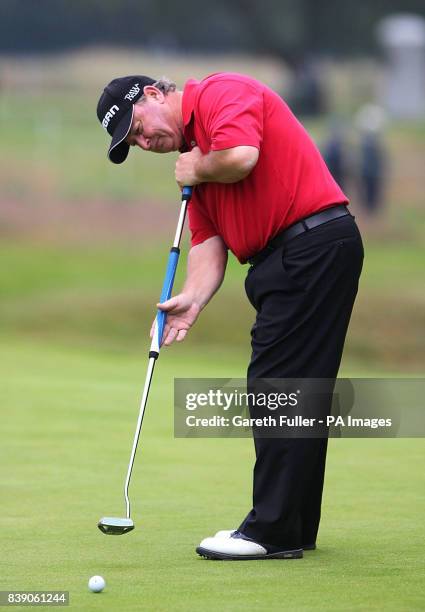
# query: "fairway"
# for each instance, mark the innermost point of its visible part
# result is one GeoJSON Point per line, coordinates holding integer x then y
{"type": "Point", "coordinates": [64, 450]}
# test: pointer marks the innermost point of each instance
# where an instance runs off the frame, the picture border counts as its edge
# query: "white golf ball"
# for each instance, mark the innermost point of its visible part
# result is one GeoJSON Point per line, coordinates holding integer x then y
{"type": "Point", "coordinates": [97, 584]}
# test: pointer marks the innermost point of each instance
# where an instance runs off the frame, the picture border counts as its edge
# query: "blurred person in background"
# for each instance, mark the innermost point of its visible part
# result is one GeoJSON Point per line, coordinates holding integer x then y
{"type": "Point", "coordinates": [307, 98]}
{"type": "Point", "coordinates": [370, 121]}
{"type": "Point", "coordinates": [333, 151]}
{"type": "Point", "coordinates": [262, 191]}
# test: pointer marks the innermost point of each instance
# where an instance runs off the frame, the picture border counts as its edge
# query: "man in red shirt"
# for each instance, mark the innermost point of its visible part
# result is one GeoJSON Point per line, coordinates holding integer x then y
{"type": "Point", "coordinates": [262, 191]}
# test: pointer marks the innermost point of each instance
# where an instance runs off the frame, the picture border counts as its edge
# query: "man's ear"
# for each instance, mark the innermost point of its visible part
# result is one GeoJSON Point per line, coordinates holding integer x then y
{"type": "Point", "coordinates": [153, 92]}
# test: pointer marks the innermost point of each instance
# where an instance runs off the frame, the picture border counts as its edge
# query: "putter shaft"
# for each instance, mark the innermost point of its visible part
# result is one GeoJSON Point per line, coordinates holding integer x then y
{"type": "Point", "coordinates": [157, 336]}
{"type": "Point", "coordinates": [143, 403]}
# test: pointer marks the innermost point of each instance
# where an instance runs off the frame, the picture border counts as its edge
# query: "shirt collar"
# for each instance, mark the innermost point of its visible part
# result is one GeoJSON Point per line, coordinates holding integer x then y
{"type": "Point", "coordinates": [188, 103]}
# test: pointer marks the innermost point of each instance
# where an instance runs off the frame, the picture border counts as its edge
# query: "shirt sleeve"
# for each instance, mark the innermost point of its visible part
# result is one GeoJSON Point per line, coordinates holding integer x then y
{"type": "Point", "coordinates": [232, 114]}
{"type": "Point", "coordinates": [200, 225]}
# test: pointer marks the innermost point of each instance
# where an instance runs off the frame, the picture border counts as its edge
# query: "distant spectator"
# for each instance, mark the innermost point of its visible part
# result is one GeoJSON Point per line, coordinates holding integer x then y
{"type": "Point", "coordinates": [334, 154]}
{"type": "Point", "coordinates": [372, 157]}
{"type": "Point", "coordinates": [307, 97]}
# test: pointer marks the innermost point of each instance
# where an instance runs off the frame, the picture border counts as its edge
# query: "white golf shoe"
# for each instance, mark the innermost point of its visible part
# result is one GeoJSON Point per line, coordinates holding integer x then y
{"type": "Point", "coordinates": [224, 533]}
{"type": "Point", "coordinates": [236, 547]}
{"type": "Point", "coordinates": [227, 533]}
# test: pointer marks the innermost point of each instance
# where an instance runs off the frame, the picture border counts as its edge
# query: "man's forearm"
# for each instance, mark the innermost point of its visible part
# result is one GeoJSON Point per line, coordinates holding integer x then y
{"type": "Point", "coordinates": [205, 270]}
{"type": "Point", "coordinates": [227, 166]}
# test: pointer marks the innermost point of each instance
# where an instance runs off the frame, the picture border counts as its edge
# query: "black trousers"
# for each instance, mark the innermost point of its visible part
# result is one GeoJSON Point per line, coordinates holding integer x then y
{"type": "Point", "coordinates": [303, 294]}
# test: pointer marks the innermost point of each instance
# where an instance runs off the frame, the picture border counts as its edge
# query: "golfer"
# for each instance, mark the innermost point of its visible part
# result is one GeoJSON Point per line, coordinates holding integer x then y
{"type": "Point", "coordinates": [262, 191]}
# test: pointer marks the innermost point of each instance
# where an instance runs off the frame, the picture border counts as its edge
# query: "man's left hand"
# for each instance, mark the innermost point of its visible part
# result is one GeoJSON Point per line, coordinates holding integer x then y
{"type": "Point", "coordinates": [186, 164]}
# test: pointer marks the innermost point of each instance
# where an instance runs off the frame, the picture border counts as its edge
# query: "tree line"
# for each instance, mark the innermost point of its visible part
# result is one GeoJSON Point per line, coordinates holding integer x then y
{"type": "Point", "coordinates": [284, 28]}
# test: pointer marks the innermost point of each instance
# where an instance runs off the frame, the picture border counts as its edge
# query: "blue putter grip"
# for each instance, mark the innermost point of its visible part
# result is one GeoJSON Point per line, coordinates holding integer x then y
{"type": "Point", "coordinates": [167, 288]}
{"type": "Point", "coordinates": [187, 193]}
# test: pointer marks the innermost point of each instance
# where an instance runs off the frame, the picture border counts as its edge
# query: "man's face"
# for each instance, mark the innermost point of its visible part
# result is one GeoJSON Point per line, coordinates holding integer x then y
{"type": "Point", "coordinates": [155, 125]}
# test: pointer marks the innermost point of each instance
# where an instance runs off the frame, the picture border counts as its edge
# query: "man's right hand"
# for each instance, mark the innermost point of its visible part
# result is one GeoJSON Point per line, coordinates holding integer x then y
{"type": "Point", "coordinates": [182, 312]}
{"type": "Point", "coordinates": [205, 272]}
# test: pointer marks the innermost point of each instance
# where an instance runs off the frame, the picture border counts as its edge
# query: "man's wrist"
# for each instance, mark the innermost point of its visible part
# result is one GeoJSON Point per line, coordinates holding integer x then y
{"type": "Point", "coordinates": [208, 170]}
{"type": "Point", "coordinates": [221, 167]}
{"type": "Point", "coordinates": [201, 176]}
{"type": "Point", "coordinates": [194, 298]}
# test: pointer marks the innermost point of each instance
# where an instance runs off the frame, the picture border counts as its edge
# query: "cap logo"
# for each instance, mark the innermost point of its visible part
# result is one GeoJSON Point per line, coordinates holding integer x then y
{"type": "Point", "coordinates": [111, 112]}
{"type": "Point", "coordinates": [133, 92]}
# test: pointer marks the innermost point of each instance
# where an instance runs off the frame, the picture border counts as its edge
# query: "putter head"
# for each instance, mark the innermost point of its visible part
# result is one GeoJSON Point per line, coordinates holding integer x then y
{"type": "Point", "coordinates": [112, 525]}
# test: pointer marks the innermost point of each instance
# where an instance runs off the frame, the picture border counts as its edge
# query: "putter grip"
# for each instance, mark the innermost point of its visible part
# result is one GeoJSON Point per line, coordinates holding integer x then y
{"type": "Point", "coordinates": [167, 288]}
{"type": "Point", "coordinates": [187, 193]}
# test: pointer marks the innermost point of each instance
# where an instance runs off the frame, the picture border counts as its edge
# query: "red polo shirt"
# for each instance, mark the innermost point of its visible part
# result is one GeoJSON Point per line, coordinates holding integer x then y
{"type": "Point", "coordinates": [290, 180]}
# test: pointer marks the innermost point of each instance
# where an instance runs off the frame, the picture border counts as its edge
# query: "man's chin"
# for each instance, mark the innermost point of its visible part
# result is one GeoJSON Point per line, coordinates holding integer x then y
{"type": "Point", "coordinates": [168, 147]}
{"type": "Point", "coordinates": [165, 150]}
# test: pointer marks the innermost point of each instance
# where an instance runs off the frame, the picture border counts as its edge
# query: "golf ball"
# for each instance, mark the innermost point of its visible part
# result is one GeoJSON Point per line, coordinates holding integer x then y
{"type": "Point", "coordinates": [96, 584]}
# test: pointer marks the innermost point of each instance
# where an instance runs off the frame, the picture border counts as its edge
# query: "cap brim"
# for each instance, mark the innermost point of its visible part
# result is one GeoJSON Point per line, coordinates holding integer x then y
{"type": "Point", "coordinates": [119, 149]}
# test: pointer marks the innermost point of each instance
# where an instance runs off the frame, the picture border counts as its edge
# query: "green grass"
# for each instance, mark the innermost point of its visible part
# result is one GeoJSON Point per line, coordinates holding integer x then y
{"type": "Point", "coordinates": [67, 423]}
{"type": "Point", "coordinates": [104, 296]}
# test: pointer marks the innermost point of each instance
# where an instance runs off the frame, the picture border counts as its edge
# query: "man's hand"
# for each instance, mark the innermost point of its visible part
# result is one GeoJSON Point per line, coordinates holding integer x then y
{"type": "Point", "coordinates": [186, 168]}
{"type": "Point", "coordinates": [205, 271]}
{"type": "Point", "coordinates": [182, 313]}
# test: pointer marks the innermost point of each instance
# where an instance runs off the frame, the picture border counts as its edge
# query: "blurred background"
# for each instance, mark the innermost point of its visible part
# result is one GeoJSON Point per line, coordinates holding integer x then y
{"type": "Point", "coordinates": [83, 243]}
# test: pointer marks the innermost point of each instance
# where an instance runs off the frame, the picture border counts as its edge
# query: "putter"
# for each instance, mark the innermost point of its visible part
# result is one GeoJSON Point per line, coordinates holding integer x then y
{"type": "Point", "coordinates": [113, 525]}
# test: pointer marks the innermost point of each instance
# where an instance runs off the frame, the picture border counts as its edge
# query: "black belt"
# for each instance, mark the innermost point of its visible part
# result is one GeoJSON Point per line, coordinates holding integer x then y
{"type": "Point", "coordinates": [298, 228]}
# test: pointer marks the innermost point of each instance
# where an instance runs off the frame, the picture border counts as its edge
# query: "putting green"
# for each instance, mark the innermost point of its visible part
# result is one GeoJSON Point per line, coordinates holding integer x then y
{"type": "Point", "coordinates": [68, 419]}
